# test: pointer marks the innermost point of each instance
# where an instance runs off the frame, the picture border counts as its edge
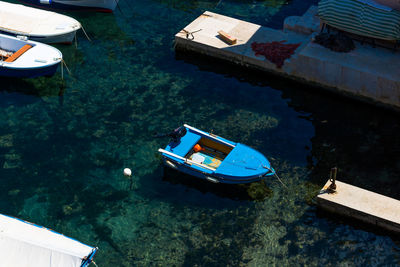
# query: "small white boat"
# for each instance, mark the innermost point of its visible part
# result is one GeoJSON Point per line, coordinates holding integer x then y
{"type": "Point", "coordinates": [27, 59]}
{"type": "Point", "coordinates": [36, 24]}
{"type": "Point", "coordinates": [25, 244]}
{"type": "Point", "coordinates": [81, 5]}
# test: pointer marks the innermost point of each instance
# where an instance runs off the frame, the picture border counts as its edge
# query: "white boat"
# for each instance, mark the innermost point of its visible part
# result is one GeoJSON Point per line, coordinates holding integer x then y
{"type": "Point", "coordinates": [85, 5]}
{"type": "Point", "coordinates": [26, 58]}
{"type": "Point", "coordinates": [38, 25]}
{"type": "Point", "coordinates": [25, 244]}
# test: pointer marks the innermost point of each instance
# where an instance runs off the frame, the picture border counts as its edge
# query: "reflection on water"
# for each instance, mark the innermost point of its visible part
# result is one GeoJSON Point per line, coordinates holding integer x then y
{"type": "Point", "coordinates": [62, 155]}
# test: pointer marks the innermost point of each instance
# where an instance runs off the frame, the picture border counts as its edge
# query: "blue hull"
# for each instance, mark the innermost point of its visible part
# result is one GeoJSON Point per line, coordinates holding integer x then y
{"type": "Point", "coordinates": [212, 177]}
{"type": "Point", "coordinates": [59, 6]}
{"type": "Point", "coordinates": [29, 73]}
{"type": "Point", "coordinates": [213, 158]}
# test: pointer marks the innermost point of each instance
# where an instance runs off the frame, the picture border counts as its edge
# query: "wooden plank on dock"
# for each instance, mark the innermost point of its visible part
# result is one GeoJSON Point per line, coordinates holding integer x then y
{"type": "Point", "coordinates": [361, 204]}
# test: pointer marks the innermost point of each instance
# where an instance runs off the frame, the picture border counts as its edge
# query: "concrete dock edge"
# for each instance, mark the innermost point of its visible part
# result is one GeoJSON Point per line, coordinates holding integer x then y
{"type": "Point", "coordinates": [370, 74]}
{"type": "Point", "coordinates": [357, 203]}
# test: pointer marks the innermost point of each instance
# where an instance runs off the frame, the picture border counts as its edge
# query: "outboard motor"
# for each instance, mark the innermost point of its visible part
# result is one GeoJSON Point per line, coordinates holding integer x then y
{"type": "Point", "coordinates": [175, 134]}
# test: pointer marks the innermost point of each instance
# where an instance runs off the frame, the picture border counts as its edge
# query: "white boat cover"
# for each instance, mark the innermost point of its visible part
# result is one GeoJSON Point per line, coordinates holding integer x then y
{"type": "Point", "coordinates": [23, 20]}
{"type": "Point", "coordinates": [25, 244]}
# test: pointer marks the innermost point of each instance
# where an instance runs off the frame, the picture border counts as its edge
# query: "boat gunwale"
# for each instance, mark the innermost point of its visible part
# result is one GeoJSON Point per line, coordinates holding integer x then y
{"type": "Point", "coordinates": [223, 177]}
{"type": "Point", "coordinates": [35, 46]}
{"type": "Point", "coordinates": [185, 160]}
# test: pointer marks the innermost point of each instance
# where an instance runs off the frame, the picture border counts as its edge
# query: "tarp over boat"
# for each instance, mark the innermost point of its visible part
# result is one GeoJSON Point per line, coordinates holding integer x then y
{"type": "Point", "coordinates": [24, 244]}
{"type": "Point", "coordinates": [23, 20]}
{"type": "Point", "coordinates": [362, 17]}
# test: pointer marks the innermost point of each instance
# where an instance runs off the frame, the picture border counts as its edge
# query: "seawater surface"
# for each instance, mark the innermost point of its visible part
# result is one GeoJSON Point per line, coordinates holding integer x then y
{"type": "Point", "coordinates": [63, 149]}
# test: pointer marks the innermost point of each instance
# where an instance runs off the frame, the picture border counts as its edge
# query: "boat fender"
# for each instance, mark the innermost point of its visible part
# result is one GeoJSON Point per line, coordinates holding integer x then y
{"type": "Point", "coordinates": [47, 2]}
{"type": "Point", "coordinates": [170, 164]}
{"type": "Point", "coordinates": [212, 180]}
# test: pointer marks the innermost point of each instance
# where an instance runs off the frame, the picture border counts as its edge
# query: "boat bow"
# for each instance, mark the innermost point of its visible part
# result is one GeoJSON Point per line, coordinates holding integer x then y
{"type": "Point", "coordinates": [244, 162]}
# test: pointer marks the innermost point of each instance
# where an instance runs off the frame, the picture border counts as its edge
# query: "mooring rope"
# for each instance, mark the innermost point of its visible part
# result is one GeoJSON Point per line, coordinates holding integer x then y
{"type": "Point", "coordinates": [62, 69]}
{"type": "Point", "coordinates": [87, 36]}
{"type": "Point", "coordinates": [76, 41]}
{"type": "Point", "coordinates": [276, 175]}
{"type": "Point", "coordinates": [120, 10]}
{"type": "Point", "coordinates": [189, 35]}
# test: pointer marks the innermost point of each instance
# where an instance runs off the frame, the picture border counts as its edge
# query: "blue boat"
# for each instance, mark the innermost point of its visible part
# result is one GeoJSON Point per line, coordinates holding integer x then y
{"type": "Point", "coordinates": [213, 158]}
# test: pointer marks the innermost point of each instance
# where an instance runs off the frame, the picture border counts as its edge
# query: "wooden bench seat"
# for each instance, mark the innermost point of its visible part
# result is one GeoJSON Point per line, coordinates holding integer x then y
{"type": "Point", "coordinates": [18, 53]}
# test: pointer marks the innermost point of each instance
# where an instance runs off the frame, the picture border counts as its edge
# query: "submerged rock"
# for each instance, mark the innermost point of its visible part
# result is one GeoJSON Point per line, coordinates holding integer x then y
{"type": "Point", "coordinates": [259, 191]}
{"type": "Point", "coordinates": [14, 192]}
{"type": "Point", "coordinates": [6, 140]}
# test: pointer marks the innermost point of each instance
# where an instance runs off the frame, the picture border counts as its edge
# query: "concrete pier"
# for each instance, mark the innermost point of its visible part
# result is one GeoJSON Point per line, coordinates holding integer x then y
{"type": "Point", "coordinates": [367, 73]}
{"type": "Point", "coordinates": [361, 204]}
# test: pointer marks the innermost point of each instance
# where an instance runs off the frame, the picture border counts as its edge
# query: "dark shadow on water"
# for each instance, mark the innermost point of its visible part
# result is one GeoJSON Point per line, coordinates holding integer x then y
{"type": "Point", "coordinates": [357, 137]}
{"type": "Point", "coordinates": [256, 191]}
{"type": "Point", "coordinates": [338, 235]}
{"type": "Point", "coordinates": [32, 87]}
{"type": "Point", "coordinates": [357, 224]}
{"type": "Point", "coordinates": [253, 77]}
{"type": "Point", "coordinates": [21, 92]}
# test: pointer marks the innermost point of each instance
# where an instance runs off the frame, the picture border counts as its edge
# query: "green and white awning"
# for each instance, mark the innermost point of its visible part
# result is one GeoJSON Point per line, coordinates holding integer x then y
{"type": "Point", "coordinates": [361, 17]}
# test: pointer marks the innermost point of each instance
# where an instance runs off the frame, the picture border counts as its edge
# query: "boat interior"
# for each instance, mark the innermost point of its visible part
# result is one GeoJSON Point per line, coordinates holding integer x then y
{"type": "Point", "coordinates": [209, 152]}
{"type": "Point", "coordinates": [11, 49]}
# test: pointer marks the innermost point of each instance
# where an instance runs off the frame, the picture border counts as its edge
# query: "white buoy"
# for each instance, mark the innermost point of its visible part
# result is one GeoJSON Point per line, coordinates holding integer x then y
{"type": "Point", "coordinates": [127, 172]}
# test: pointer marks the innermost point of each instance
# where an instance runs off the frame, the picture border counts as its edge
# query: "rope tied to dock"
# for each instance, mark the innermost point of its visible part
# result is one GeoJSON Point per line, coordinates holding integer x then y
{"type": "Point", "coordinates": [332, 179]}
{"type": "Point", "coordinates": [189, 35]}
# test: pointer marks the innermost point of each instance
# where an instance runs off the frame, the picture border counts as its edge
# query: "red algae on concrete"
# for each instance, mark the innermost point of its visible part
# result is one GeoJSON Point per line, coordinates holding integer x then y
{"type": "Point", "coordinates": [276, 52]}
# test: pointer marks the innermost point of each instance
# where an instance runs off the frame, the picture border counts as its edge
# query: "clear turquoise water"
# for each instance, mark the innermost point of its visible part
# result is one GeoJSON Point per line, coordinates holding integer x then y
{"type": "Point", "coordinates": [63, 149]}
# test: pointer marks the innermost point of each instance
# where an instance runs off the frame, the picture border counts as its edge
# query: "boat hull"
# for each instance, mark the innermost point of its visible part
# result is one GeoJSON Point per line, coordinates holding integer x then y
{"type": "Point", "coordinates": [66, 38]}
{"type": "Point", "coordinates": [37, 24]}
{"type": "Point", "coordinates": [47, 71]}
{"type": "Point", "coordinates": [107, 6]}
{"type": "Point", "coordinates": [211, 176]}
{"type": "Point", "coordinates": [23, 243]}
{"type": "Point", "coordinates": [29, 59]}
